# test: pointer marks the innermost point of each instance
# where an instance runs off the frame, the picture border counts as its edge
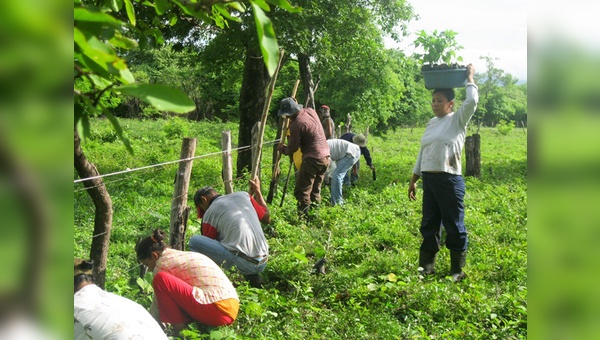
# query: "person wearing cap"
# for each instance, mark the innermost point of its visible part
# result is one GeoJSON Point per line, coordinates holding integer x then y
{"type": "Point", "coordinates": [327, 122]}
{"type": "Point", "coordinates": [99, 314]}
{"type": "Point", "coordinates": [361, 141]}
{"type": "Point", "coordinates": [345, 155]}
{"type": "Point", "coordinates": [188, 286]}
{"type": "Point", "coordinates": [231, 230]}
{"type": "Point", "coordinates": [439, 164]}
{"type": "Point", "coordinates": [306, 134]}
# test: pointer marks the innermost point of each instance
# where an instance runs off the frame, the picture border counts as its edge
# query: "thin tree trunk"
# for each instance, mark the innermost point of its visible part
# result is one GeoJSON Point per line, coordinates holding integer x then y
{"type": "Point", "coordinates": [22, 186]}
{"type": "Point", "coordinates": [252, 99]}
{"type": "Point", "coordinates": [103, 218]}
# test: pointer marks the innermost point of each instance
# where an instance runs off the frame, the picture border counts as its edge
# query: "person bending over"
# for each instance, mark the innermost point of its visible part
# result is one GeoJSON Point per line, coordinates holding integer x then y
{"type": "Point", "coordinates": [232, 234]}
{"type": "Point", "coordinates": [345, 155]}
{"type": "Point", "coordinates": [188, 286]}
{"type": "Point", "coordinates": [361, 141]}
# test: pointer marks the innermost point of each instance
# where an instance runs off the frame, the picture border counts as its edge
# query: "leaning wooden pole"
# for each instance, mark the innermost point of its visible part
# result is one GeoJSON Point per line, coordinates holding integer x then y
{"type": "Point", "coordinates": [277, 155]}
{"type": "Point", "coordinates": [256, 145]}
{"type": "Point", "coordinates": [263, 119]}
{"type": "Point", "coordinates": [179, 208]}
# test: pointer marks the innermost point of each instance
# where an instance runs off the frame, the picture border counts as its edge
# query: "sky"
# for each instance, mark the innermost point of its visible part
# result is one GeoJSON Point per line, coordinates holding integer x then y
{"type": "Point", "coordinates": [496, 28]}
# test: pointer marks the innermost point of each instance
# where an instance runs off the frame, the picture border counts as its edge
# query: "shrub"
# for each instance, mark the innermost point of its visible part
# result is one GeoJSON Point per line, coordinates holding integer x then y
{"type": "Point", "coordinates": [440, 47]}
{"type": "Point", "coordinates": [505, 127]}
{"type": "Point", "coordinates": [175, 128]}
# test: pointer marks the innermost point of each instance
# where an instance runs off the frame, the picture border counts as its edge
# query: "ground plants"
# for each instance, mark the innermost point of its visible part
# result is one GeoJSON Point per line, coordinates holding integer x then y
{"type": "Point", "coordinates": [370, 289]}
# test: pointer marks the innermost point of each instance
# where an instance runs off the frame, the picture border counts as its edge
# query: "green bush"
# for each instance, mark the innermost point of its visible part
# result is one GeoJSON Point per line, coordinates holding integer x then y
{"type": "Point", "coordinates": [175, 128]}
{"type": "Point", "coordinates": [505, 127]}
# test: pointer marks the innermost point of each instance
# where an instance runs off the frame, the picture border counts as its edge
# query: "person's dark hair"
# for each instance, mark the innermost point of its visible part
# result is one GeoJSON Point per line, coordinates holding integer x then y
{"type": "Point", "coordinates": [83, 272]}
{"type": "Point", "coordinates": [147, 245]}
{"type": "Point", "coordinates": [201, 192]}
{"type": "Point", "coordinates": [448, 93]}
{"type": "Point", "coordinates": [81, 278]}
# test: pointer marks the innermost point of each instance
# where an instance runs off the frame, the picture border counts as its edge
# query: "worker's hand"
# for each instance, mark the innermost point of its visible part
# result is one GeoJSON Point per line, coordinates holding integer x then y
{"type": "Point", "coordinates": [470, 73]}
{"type": "Point", "coordinates": [412, 188]}
{"type": "Point", "coordinates": [281, 148]}
{"type": "Point", "coordinates": [254, 185]}
{"type": "Point", "coordinates": [372, 167]}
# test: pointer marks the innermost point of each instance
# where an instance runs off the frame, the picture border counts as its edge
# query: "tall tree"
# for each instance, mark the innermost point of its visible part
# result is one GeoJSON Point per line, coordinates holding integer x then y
{"type": "Point", "coordinates": [500, 96]}
{"type": "Point", "coordinates": [252, 100]}
{"type": "Point", "coordinates": [340, 41]}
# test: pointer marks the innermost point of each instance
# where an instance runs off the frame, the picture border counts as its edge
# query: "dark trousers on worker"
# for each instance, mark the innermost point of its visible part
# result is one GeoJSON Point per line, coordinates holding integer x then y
{"type": "Point", "coordinates": [443, 196]}
{"type": "Point", "coordinates": [308, 182]}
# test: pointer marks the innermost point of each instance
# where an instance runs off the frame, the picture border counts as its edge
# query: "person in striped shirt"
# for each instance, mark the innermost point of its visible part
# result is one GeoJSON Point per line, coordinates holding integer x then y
{"type": "Point", "coordinates": [188, 286]}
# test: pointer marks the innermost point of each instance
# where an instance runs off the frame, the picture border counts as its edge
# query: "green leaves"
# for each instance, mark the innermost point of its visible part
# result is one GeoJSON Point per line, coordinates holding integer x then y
{"type": "Point", "coordinates": [266, 32]}
{"type": "Point", "coordinates": [84, 15]}
{"type": "Point", "coordinates": [161, 6]}
{"type": "Point", "coordinates": [164, 98]}
{"type": "Point", "coordinates": [96, 36]}
{"type": "Point", "coordinates": [130, 12]}
{"type": "Point", "coordinates": [439, 47]}
{"type": "Point", "coordinates": [266, 38]}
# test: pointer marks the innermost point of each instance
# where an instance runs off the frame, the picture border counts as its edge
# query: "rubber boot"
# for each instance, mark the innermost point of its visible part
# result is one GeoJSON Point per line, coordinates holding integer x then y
{"type": "Point", "coordinates": [303, 212]}
{"type": "Point", "coordinates": [427, 262]}
{"type": "Point", "coordinates": [457, 263]}
{"type": "Point", "coordinates": [255, 280]}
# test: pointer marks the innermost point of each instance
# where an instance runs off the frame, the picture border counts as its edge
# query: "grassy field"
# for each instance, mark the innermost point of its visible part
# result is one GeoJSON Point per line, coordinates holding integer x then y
{"type": "Point", "coordinates": [371, 289]}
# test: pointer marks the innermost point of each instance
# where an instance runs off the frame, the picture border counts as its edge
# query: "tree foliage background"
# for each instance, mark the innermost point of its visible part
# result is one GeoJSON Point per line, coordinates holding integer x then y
{"type": "Point", "coordinates": [380, 88]}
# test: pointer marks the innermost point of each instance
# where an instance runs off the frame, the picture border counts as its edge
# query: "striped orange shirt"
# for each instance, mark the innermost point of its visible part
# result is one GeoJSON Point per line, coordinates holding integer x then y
{"type": "Point", "coordinates": [209, 281]}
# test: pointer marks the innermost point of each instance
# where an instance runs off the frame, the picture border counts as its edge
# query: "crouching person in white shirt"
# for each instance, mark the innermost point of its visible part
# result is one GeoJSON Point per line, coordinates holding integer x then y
{"type": "Point", "coordinates": [103, 315]}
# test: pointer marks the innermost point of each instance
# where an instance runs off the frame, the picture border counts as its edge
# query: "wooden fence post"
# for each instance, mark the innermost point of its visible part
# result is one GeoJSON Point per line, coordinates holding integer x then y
{"type": "Point", "coordinates": [349, 124]}
{"type": "Point", "coordinates": [473, 155]}
{"type": "Point", "coordinates": [227, 161]}
{"type": "Point", "coordinates": [179, 208]}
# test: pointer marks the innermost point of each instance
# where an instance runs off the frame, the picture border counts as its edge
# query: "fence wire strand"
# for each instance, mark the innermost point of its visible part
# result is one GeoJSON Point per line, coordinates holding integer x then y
{"type": "Point", "coordinates": [242, 148]}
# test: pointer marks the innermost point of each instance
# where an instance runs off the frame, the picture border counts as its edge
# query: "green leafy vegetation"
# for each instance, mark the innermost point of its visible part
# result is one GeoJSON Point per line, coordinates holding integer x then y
{"type": "Point", "coordinates": [504, 127]}
{"type": "Point", "coordinates": [371, 289]}
{"type": "Point", "coordinates": [440, 47]}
